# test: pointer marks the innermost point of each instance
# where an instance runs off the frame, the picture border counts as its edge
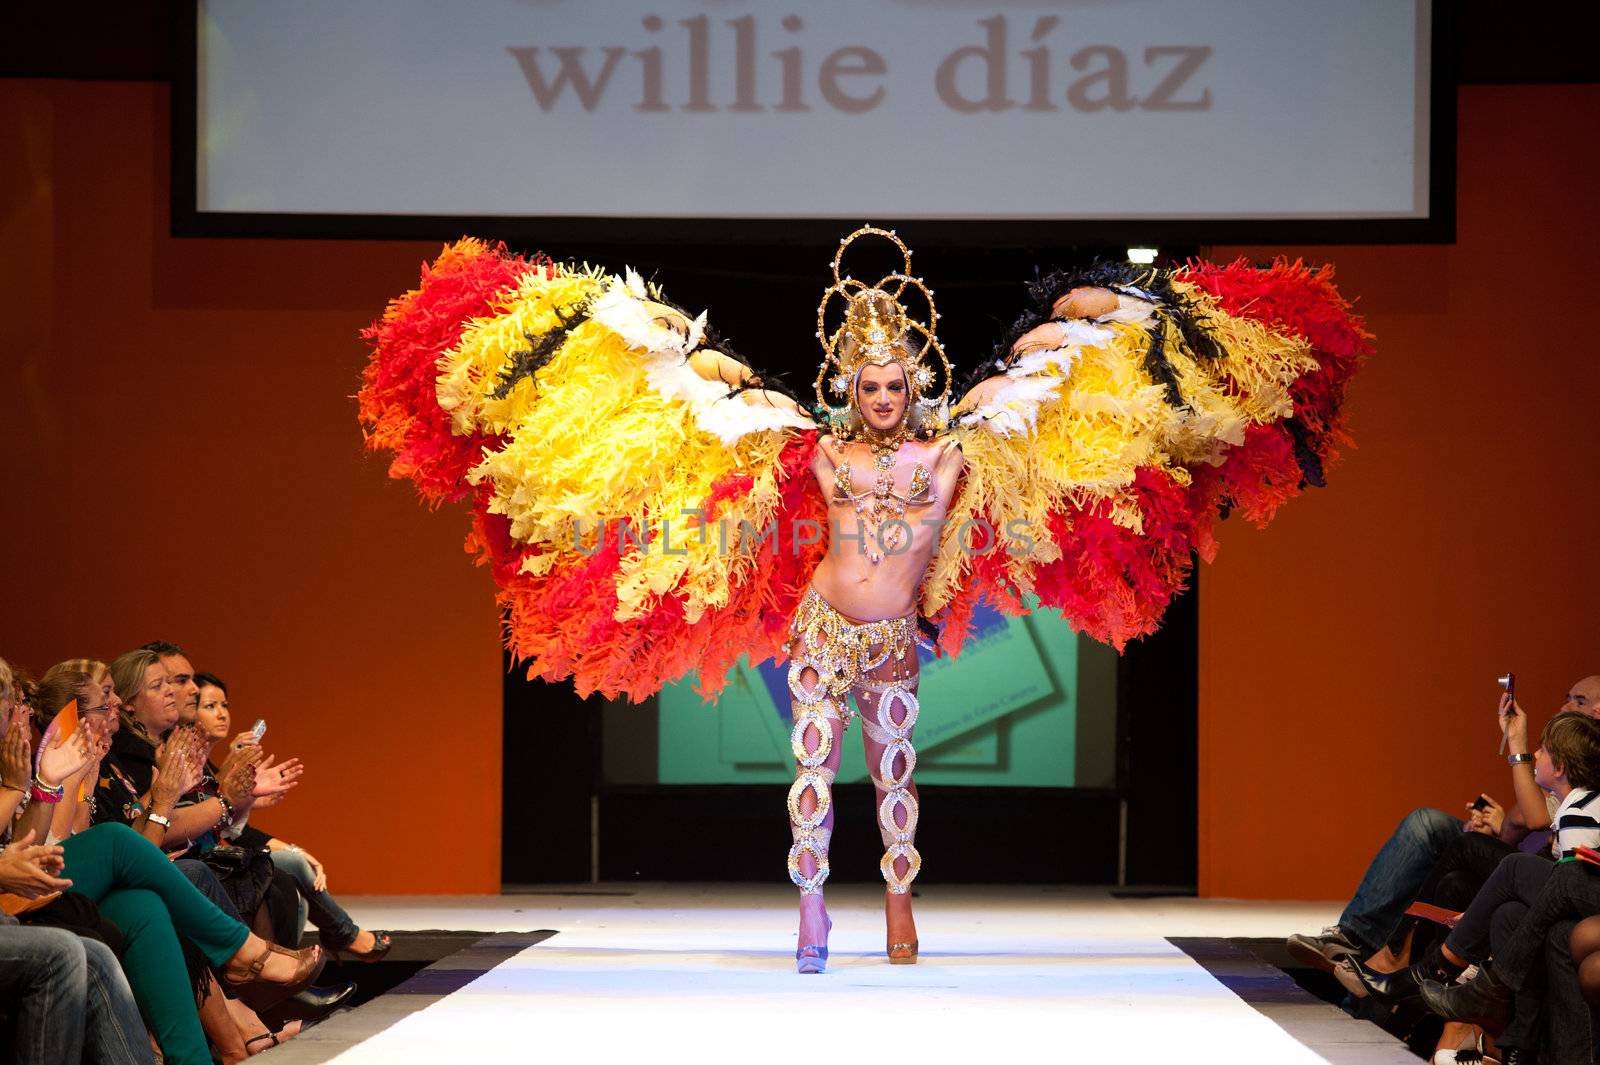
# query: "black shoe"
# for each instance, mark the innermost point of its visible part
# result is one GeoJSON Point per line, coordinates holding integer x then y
{"type": "Point", "coordinates": [312, 1004]}
{"type": "Point", "coordinates": [1483, 1000]}
{"type": "Point", "coordinates": [1391, 989]}
{"type": "Point", "coordinates": [1518, 1056]}
{"type": "Point", "coordinates": [1324, 951]}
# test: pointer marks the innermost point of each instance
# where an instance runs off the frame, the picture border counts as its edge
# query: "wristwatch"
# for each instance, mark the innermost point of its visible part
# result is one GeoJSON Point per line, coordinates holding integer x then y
{"type": "Point", "coordinates": [156, 819]}
{"type": "Point", "coordinates": [1518, 759]}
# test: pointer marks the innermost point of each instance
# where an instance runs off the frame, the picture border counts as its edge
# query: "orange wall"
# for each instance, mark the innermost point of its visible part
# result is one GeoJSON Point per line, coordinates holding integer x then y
{"type": "Point", "coordinates": [181, 458]}
{"type": "Point", "coordinates": [1348, 654]}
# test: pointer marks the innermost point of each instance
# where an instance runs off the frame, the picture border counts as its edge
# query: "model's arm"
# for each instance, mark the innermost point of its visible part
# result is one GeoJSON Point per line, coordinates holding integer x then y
{"type": "Point", "coordinates": [948, 468]}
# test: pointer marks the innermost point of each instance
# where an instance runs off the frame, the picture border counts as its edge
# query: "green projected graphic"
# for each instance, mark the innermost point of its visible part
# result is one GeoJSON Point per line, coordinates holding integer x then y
{"type": "Point", "coordinates": [1003, 714]}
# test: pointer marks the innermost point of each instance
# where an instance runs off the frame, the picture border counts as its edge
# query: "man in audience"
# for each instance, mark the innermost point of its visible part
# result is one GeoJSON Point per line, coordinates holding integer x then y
{"type": "Point", "coordinates": [1402, 865]}
{"type": "Point", "coordinates": [180, 675]}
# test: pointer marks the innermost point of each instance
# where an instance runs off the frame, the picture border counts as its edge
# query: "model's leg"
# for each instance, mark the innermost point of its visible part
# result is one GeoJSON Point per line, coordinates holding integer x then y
{"type": "Point", "coordinates": [888, 701]}
{"type": "Point", "coordinates": [816, 740]}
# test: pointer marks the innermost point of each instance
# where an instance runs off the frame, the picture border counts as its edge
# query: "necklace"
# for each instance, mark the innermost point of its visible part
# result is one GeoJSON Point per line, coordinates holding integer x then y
{"type": "Point", "coordinates": [882, 507]}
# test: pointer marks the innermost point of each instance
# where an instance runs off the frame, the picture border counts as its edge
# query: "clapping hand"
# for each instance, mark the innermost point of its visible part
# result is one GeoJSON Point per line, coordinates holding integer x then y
{"type": "Point", "coordinates": [16, 753]}
{"type": "Point", "coordinates": [62, 759]}
{"type": "Point", "coordinates": [273, 780]}
{"type": "Point", "coordinates": [180, 765]}
{"type": "Point", "coordinates": [236, 781]}
{"type": "Point", "coordinates": [30, 871]}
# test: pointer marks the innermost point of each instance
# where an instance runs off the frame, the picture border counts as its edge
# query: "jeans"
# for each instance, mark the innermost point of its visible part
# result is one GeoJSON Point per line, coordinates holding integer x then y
{"type": "Point", "coordinates": [44, 975]}
{"type": "Point", "coordinates": [1396, 874]}
{"type": "Point", "coordinates": [338, 930]}
{"type": "Point", "coordinates": [114, 1034]}
{"type": "Point", "coordinates": [205, 881]}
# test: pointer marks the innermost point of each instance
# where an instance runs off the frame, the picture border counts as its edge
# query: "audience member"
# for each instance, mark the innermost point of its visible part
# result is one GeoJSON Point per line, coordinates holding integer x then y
{"type": "Point", "coordinates": [1567, 764]}
{"type": "Point", "coordinates": [1402, 866]}
{"type": "Point", "coordinates": [337, 930]}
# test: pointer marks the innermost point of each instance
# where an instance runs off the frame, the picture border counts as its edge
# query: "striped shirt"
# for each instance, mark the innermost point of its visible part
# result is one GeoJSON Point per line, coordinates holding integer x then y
{"type": "Point", "coordinates": [1577, 821]}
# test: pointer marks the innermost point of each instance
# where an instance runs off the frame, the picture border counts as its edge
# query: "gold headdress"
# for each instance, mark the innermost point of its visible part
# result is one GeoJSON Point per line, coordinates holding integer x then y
{"type": "Point", "coordinates": [874, 332]}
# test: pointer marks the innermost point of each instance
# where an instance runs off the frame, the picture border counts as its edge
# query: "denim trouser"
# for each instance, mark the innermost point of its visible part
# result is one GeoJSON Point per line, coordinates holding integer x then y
{"type": "Point", "coordinates": [1396, 874]}
{"type": "Point", "coordinates": [115, 1033]}
{"type": "Point", "coordinates": [338, 930]}
{"type": "Point", "coordinates": [71, 998]}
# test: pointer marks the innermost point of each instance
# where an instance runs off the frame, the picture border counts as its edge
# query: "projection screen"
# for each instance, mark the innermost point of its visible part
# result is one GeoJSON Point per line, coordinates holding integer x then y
{"type": "Point", "coordinates": [1291, 113]}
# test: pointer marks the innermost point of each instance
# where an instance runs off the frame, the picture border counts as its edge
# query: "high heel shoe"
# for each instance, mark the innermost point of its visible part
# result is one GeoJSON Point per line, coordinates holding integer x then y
{"type": "Point", "coordinates": [904, 953]}
{"type": "Point", "coordinates": [813, 958]}
{"type": "Point", "coordinates": [245, 978]}
{"type": "Point", "coordinates": [381, 942]}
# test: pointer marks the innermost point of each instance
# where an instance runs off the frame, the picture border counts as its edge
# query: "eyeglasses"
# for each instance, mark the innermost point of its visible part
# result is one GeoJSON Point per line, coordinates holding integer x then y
{"type": "Point", "coordinates": [103, 708]}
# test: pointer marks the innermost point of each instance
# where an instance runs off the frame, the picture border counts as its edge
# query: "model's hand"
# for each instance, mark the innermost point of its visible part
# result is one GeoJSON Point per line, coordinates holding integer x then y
{"type": "Point", "coordinates": [1085, 302]}
{"type": "Point", "coordinates": [29, 871]}
{"type": "Point", "coordinates": [1514, 723]}
{"type": "Point", "coordinates": [16, 753]}
{"type": "Point", "coordinates": [247, 738]}
{"type": "Point", "coordinates": [1489, 820]}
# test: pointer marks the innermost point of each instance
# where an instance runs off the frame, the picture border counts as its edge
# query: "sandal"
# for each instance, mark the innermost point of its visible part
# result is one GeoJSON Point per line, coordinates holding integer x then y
{"type": "Point", "coordinates": [248, 1043]}
{"type": "Point", "coordinates": [259, 994]}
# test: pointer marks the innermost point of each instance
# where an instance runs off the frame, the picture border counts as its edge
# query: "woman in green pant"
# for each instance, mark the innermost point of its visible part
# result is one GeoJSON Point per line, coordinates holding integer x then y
{"type": "Point", "coordinates": [139, 890]}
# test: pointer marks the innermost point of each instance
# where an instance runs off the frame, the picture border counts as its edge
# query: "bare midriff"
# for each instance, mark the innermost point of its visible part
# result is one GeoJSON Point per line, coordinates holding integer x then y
{"type": "Point", "coordinates": [848, 578]}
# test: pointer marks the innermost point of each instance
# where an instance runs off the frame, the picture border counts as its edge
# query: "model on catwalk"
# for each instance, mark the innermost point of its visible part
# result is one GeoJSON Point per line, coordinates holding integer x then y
{"type": "Point", "coordinates": [651, 505]}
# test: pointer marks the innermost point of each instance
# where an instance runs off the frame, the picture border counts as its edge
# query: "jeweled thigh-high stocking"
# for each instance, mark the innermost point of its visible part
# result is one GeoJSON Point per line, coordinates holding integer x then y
{"type": "Point", "coordinates": [816, 742]}
{"type": "Point", "coordinates": [888, 701]}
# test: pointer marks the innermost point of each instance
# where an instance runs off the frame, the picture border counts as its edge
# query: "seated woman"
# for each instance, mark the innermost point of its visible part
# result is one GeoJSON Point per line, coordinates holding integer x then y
{"type": "Point", "coordinates": [151, 903]}
{"type": "Point", "coordinates": [338, 932]}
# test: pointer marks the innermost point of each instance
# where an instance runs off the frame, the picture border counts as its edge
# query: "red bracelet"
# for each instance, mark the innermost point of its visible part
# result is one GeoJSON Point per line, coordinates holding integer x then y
{"type": "Point", "coordinates": [41, 794]}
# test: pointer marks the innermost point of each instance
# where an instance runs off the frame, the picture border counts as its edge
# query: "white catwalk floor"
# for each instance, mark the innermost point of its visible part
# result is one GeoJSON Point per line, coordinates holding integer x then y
{"type": "Point", "coordinates": [706, 973]}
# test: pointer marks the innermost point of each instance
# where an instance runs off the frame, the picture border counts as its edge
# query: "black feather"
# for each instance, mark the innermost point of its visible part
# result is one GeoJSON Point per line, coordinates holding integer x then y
{"type": "Point", "coordinates": [542, 347]}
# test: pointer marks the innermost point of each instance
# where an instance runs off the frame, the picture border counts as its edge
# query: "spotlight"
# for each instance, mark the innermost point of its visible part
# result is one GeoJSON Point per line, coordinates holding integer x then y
{"type": "Point", "coordinates": [1143, 256]}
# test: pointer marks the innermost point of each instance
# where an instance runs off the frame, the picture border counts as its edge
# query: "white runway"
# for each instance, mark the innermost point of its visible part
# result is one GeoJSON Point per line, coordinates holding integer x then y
{"type": "Point", "coordinates": [706, 974]}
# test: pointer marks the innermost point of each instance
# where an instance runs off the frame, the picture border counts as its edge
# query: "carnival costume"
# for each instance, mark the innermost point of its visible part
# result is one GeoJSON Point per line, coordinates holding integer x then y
{"type": "Point", "coordinates": [642, 496]}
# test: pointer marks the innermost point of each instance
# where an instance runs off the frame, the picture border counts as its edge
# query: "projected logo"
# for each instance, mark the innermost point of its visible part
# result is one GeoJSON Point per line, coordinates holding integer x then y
{"type": "Point", "coordinates": [1002, 714]}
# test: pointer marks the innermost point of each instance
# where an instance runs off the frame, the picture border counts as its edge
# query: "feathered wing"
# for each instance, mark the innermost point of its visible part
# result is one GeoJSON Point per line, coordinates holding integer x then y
{"type": "Point", "coordinates": [1101, 451]}
{"type": "Point", "coordinates": [635, 490]}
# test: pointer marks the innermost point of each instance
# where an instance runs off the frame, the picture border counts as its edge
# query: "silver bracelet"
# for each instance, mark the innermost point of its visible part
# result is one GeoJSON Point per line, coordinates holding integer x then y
{"type": "Point", "coordinates": [1518, 759]}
